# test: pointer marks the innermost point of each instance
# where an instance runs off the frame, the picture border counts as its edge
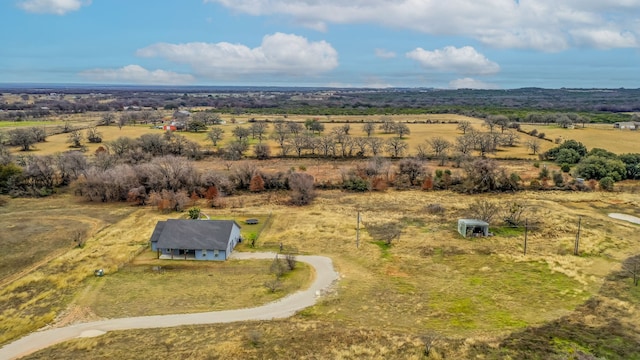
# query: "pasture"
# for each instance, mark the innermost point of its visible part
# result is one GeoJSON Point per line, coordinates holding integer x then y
{"type": "Point", "coordinates": [477, 295]}
{"type": "Point", "coordinates": [444, 125]}
{"type": "Point", "coordinates": [430, 280]}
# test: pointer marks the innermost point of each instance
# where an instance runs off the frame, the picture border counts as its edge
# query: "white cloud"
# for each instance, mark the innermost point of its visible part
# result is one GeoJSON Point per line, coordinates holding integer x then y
{"type": "Point", "coordinates": [464, 60]}
{"type": "Point", "coordinates": [136, 74]}
{"type": "Point", "coordinates": [546, 25]}
{"type": "Point", "coordinates": [469, 83]}
{"type": "Point", "coordinates": [604, 39]}
{"type": "Point", "coordinates": [279, 54]}
{"type": "Point", "coordinates": [58, 7]}
{"type": "Point", "coordinates": [385, 54]}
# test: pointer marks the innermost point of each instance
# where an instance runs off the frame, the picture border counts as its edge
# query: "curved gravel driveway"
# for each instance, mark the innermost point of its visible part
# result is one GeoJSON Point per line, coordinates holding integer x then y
{"type": "Point", "coordinates": [283, 308]}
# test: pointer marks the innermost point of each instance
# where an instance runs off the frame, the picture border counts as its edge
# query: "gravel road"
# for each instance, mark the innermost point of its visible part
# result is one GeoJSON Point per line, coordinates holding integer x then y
{"type": "Point", "coordinates": [325, 276]}
{"type": "Point", "coordinates": [625, 217]}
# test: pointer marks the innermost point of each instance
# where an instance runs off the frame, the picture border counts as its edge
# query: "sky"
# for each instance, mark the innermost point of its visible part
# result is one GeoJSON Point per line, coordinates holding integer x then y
{"type": "Point", "coordinates": [488, 44]}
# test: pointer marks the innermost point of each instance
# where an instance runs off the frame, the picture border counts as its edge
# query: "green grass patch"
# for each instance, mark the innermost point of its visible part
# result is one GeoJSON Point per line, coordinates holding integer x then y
{"type": "Point", "coordinates": [384, 248]}
{"type": "Point", "coordinates": [507, 231]}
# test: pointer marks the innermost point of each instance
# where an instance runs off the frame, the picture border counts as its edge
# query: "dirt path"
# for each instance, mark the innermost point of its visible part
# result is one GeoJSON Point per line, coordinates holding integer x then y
{"type": "Point", "coordinates": [283, 308]}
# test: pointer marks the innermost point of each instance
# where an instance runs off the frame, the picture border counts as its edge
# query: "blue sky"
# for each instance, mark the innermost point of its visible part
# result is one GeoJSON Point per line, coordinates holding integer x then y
{"type": "Point", "coordinates": [499, 44]}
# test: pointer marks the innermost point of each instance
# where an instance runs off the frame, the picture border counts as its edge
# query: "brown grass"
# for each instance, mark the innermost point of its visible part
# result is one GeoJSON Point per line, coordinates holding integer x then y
{"type": "Point", "coordinates": [431, 279]}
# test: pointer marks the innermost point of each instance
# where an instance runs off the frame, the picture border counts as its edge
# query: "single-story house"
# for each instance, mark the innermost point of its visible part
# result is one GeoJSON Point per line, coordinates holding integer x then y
{"type": "Point", "coordinates": [473, 227]}
{"type": "Point", "coordinates": [195, 239]}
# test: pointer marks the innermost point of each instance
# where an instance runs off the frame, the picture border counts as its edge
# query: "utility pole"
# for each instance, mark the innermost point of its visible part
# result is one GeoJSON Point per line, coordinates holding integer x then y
{"type": "Point", "coordinates": [525, 235]}
{"type": "Point", "coordinates": [358, 231]}
{"type": "Point", "coordinates": [576, 247]}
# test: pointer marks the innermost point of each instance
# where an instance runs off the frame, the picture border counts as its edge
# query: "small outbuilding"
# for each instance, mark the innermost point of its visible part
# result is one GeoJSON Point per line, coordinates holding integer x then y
{"type": "Point", "coordinates": [195, 239]}
{"type": "Point", "coordinates": [473, 227]}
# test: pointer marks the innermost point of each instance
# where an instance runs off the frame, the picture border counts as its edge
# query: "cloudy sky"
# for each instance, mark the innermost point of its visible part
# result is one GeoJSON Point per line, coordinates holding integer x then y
{"type": "Point", "coordinates": [498, 44]}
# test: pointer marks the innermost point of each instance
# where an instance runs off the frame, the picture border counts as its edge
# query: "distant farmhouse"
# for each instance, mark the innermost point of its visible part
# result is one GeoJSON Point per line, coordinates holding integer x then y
{"type": "Point", "coordinates": [195, 239]}
{"type": "Point", "coordinates": [179, 121]}
{"type": "Point", "coordinates": [629, 125]}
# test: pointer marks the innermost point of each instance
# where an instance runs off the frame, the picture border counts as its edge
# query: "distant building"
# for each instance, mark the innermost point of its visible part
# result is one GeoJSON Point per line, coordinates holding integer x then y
{"type": "Point", "coordinates": [628, 125]}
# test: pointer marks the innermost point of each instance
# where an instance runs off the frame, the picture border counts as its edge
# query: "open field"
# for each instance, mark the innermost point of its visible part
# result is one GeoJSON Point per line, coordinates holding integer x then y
{"type": "Point", "coordinates": [475, 293]}
{"type": "Point", "coordinates": [37, 230]}
{"type": "Point", "coordinates": [186, 286]}
{"type": "Point", "coordinates": [603, 136]}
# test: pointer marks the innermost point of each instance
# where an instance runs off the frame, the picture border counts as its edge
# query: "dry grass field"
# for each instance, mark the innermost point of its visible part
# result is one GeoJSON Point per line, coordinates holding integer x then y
{"type": "Point", "coordinates": [475, 293]}
{"type": "Point", "coordinates": [603, 136]}
{"type": "Point", "coordinates": [482, 296]}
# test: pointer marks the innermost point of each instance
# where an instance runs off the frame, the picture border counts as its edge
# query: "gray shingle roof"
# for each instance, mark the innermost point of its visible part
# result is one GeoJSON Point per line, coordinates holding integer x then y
{"type": "Point", "coordinates": [193, 234]}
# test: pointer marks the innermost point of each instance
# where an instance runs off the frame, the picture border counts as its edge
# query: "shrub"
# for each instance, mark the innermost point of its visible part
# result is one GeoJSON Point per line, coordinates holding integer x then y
{"type": "Point", "coordinates": [535, 185]}
{"type": "Point", "coordinates": [544, 173]}
{"type": "Point", "coordinates": [558, 180]}
{"type": "Point", "coordinates": [606, 183]}
{"type": "Point", "coordinates": [565, 168]}
{"type": "Point", "coordinates": [435, 209]}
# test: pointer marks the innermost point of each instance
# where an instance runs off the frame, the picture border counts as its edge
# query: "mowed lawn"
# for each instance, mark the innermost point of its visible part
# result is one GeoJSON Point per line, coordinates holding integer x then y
{"type": "Point", "coordinates": [149, 286]}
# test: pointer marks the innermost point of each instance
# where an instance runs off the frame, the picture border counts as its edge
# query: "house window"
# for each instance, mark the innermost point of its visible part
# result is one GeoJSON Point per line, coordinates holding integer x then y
{"type": "Point", "coordinates": [215, 253]}
{"type": "Point", "coordinates": [204, 253]}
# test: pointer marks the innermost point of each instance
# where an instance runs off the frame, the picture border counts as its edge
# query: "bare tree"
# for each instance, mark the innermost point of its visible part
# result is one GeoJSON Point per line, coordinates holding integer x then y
{"type": "Point", "coordinates": [294, 127]}
{"type": "Point", "coordinates": [240, 133]}
{"type": "Point", "coordinates": [22, 137]}
{"type": "Point", "coordinates": [361, 143]}
{"type": "Point", "coordinates": [396, 147]}
{"type": "Point", "coordinates": [464, 144]}
{"type": "Point", "coordinates": [262, 151]}
{"type": "Point", "coordinates": [485, 144]}
{"type": "Point", "coordinates": [120, 146]}
{"type": "Point", "coordinates": [464, 126]}
{"type": "Point", "coordinates": [291, 261]}
{"type": "Point", "coordinates": [258, 129]}
{"type": "Point", "coordinates": [440, 147]}
{"type": "Point", "coordinates": [413, 169]}
{"type": "Point", "coordinates": [326, 146]}
{"type": "Point", "coordinates": [108, 118]}
{"type": "Point", "coordinates": [384, 231]}
{"type": "Point", "coordinates": [93, 135]}
{"type": "Point", "coordinates": [273, 285]}
{"type": "Point", "coordinates": [302, 191]}
{"type": "Point", "coordinates": [501, 121]}
{"type": "Point", "coordinates": [376, 145]}
{"type": "Point", "coordinates": [533, 145]}
{"type": "Point", "coordinates": [75, 138]}
{"type": "Point", "coordinates": [215, 134]}
{"type": "Point", "coordinates": [510, 138]}
{"type": "Point", "coordinates": [299, 143]}
{"type": "Point", "coordinates": [387, 126]}
{"type": "Point", "coordinates": [402, 129]}
{"type": "Point", "coordinates": [280, 132]}
{"type": "Point", "coordinates": [483, 209]}
{"type": "Point", "coordinates": [368, 128]}
{"type": "Point", "coordinates": [428, 340]}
